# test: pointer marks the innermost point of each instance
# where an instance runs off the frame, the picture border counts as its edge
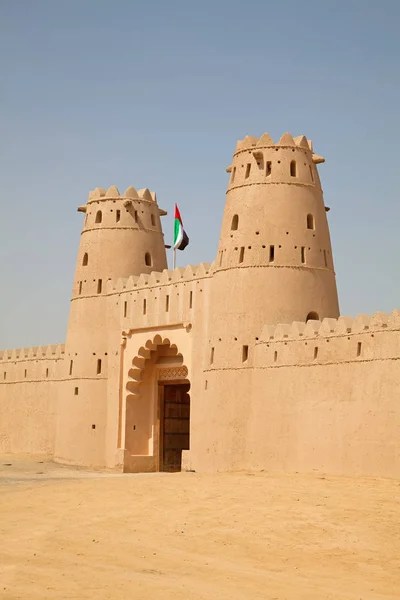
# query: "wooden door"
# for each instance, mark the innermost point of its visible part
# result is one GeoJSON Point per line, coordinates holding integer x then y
{"type": "Point", "coordinates": [176, 425]}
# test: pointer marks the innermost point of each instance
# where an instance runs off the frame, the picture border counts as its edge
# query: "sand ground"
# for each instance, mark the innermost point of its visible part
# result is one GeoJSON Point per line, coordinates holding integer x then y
{"type": "Point", "coordinates": [69, 533]}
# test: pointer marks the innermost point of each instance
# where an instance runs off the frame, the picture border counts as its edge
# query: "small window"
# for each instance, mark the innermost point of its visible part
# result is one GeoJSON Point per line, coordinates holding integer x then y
{"type": "Point", "coordinates": [235, 222]}
{"type": "Point", "coordinates": [99, 285]}
{"type": "Point", "coordinates": [293, 168]}
{"type": "Point", "coordinates": [245, 353]}
{"type": "Point", "coordinates": [303, 255]}
{"type": "Point", "coordinates": [136, 216]}
{"type": "Point", "coordinates": [71, 365]}
{"type": "Point", "coordinates": [241, 255]}
{"type": "Point", "coordinates": [359, 349]}
{"type": "Point", "coordinates": [153, 220]}
{"type": "Point", "coordinates": [311, 173]}
{"type": "Point", "coordinates": [191, 300]}
{"type": "Point", "coordinates": [221, 254]}
{"type": "Point", "coordinates": [76, 391]}
{"type": "Point", "coordinates": [98, 366]}
{"type": "Point", "coordinates": [99, 216]}
{"type": "Point", "coordinates": [233, 174]}
{"type": "Point", "coordinates": [268, 168]}
{"type": "Point", "coordinates": [125, 308]}
{"type": "Point", "coordinates": [275, 356]}
{"type": "Point", "coordinates": [166, 303]}
{"type": "Point", "coordinates": [47, 372]}
{"type": "Point", "coordinates": [212, 356]}
{"type": "Point", "coordinates": [325, 259]}
{"type": "Point", "coordinates": [80, 287]}
{"type": "Point", "coordinates": [93, 426]}
{"type": "Point", "coordinates": [117, 215]}
{"type": "Point", "coordinates": [315, 352]}
{"type": "Point", "coordinates": [271, 253]}
{"type": "Point", "coordinates": [26, 372]}
{"type": "Point", "coordinates": [85, 259]}
{"type": "Point", "coordinates": [310, 222]}
{"type": "Point", "coordinates": [144, 306]}
{"type": "Point", "coordinates": [248, 169]}
{"type": "Point", "coordinates": [5, 375]}
{"type": "Point", "coordinates": [312, 316]}
{"type": "Point", "coordinates": [147, 259]}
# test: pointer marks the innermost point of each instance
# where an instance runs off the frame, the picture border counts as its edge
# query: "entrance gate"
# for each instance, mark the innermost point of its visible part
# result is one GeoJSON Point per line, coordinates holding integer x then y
{"type": "Point", "coordinates": [173, 425]}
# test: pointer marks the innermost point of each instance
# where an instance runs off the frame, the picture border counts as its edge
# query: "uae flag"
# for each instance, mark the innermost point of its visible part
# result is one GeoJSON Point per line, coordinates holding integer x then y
{"type": "Point", "coordinates": [181, 240]}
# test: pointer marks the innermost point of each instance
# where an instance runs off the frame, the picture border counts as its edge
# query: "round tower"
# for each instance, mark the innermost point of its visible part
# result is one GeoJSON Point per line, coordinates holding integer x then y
{"type": "Point", "coordinates": [274, 265]}
{"type": "Point", "coordinates": [121, 236]}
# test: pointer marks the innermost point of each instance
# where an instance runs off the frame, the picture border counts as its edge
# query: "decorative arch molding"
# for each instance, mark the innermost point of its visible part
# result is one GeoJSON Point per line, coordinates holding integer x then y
{"type": "Point", "coordinates": [144, 356]}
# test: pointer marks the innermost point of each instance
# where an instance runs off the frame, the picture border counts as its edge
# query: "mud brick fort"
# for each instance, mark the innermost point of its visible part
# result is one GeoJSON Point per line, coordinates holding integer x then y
{"type": "Point", "coordinates": [242, 364]}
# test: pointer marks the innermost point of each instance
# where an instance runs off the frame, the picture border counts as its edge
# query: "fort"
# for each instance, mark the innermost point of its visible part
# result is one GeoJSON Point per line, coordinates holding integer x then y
{"type": "Point", "coordinates": [244, 364]}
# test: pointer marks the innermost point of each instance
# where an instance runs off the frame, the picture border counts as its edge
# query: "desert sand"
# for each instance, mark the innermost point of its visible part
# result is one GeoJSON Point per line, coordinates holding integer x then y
{"type": "Point", "coordinates": [69, 533]}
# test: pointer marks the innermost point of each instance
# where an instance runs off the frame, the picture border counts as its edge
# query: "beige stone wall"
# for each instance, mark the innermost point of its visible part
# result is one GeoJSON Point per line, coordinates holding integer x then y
{"type": "Point", "coordinates": [29, 381]}
{"type": "Point", "coordinates": [322, 397]}
{"type": "Point", "coordinates": [156, 318]}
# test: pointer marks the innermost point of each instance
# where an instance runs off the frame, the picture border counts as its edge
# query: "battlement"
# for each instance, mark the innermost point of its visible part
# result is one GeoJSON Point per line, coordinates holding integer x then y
{"type": "Point", "coordinates": [53, 351]}
{"type": "Point", "coordinates": [262, 161]}
{"type": "Point", "coordinates": [113, 193]}
{"type": "Point", "coordinates": [364, 339]}
{"type": "Point", "coordinates": [266, 140]}
{"type": "Point", "coordinates": [155, 278]}
{"type": "Point", "coordinates": [331, 327]}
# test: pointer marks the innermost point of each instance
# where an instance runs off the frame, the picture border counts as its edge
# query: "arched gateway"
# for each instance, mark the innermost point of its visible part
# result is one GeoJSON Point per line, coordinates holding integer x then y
{"type": "Point", "coordinates": [157, 408]}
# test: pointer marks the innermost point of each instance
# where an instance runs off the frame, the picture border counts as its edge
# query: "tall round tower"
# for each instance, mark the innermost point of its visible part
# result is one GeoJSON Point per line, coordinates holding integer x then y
{"type": "Point", "coordinates": [121, 236]}
{"type": "Point", "coordinates": [274, 265]}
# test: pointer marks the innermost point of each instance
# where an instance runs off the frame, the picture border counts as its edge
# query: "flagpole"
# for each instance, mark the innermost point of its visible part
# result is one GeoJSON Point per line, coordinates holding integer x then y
{"type": "Point", "coordinates": [173, 244]}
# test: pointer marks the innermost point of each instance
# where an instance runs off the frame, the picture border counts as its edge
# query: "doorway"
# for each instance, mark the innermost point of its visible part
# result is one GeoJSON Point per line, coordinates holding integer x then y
{"type": "Point", "coordinates": [174, 425]}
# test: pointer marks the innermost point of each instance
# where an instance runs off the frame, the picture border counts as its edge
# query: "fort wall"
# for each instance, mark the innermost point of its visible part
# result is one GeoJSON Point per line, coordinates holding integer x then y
{"type": "Point", "coordinates": [323, 397]}
{"type": "Point", "coordinates": [29, 379]}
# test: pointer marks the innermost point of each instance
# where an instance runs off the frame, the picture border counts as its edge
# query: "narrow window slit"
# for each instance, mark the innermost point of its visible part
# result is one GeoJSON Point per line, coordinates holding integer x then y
{"type": "Point", "coordinates": [245, 353]}
{"type": "Point", "coordinates": [235, 222]}
{"type": "Point", "coordinates": [271, 253]}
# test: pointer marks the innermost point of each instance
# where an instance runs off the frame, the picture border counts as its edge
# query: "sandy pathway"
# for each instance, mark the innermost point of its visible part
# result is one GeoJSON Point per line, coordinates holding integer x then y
{"type": "Point", "coordinates": [189, 536]}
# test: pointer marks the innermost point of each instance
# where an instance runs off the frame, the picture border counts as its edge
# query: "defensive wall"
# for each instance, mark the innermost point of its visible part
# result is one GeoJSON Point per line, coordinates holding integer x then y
{"type": "Point", "coordinates": [324, 397]}
{"type": "Point", "coordinates": [28, 394]}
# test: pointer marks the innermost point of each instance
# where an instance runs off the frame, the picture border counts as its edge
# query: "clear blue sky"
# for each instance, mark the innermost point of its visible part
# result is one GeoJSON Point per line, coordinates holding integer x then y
{"type": "Point", "coordinates": [155, 94]}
